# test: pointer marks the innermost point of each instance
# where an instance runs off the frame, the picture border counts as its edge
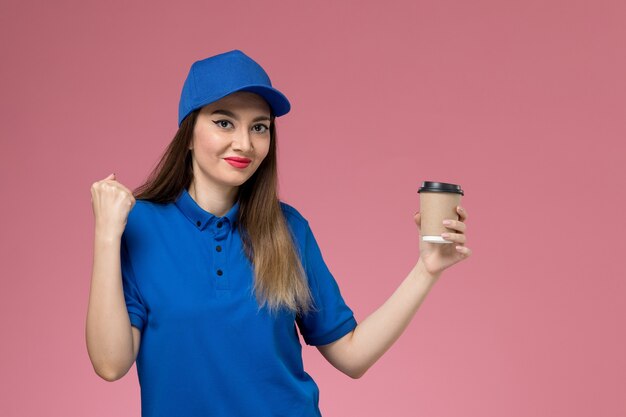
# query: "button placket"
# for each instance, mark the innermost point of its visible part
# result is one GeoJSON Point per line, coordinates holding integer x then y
{"type": "Point", "coordinates": [220, 229]}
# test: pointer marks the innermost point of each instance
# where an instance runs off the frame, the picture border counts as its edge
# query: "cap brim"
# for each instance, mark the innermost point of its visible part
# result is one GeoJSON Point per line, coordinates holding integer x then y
{"type": "Point", "coordinates": [278, 102]}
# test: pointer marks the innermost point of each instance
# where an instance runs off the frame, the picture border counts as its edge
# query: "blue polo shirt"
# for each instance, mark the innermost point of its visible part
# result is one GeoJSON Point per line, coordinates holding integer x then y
{"type": "Point", "coordinates": [206, 349]}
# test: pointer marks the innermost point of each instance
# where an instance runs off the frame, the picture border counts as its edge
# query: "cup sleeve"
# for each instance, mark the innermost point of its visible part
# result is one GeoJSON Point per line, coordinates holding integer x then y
{"type": "Point", "coordinates": [134, 303]}
{"type": "Point", "coordinates": [331, 318]}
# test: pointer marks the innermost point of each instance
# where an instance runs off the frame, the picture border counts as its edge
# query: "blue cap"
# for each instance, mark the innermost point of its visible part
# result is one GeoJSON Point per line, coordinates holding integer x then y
{"type": "Point", "coordinates": [215, 77]}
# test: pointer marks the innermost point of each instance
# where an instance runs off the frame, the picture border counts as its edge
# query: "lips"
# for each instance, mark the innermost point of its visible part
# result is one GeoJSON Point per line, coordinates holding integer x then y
{"type": "Point", "coordinates": [237, 159]}
{"type": "Point", "coordinates": [236, 163]}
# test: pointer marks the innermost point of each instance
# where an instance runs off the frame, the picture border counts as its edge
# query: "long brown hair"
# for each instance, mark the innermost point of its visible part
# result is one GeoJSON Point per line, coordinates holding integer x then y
{"type": "Point", "coordinates": [279, 277]}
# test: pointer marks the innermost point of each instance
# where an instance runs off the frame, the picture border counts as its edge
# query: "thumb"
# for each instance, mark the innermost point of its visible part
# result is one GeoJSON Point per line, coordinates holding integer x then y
{"type": "Point", "coordinates": [110, 177]}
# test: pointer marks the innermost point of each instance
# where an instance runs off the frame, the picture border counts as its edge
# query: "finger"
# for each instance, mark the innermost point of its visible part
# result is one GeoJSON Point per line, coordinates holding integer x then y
{"type": "Point", "coordinates": [455, 237]}
{"type": "Point", "coordinates": [456, 225]}
{"type": "Point", "coordinates": [461, 212]}
{"type": "Point", "coordinates": [463, 250]}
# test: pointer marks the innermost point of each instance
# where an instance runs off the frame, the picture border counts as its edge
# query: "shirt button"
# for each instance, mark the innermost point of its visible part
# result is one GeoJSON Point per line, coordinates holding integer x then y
{"type": "Point", "coordinates": [219, 224]}
{"type": "Point", "coordinates": [198, 223]}
{"type": "Point", "coordinates": [219, 272]}
{"type": "Point", "coordinates": [218, 248]}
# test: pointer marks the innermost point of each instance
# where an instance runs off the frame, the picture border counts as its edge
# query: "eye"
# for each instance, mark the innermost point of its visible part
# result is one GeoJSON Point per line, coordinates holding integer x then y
{"type": "Point", "coordinates": [263, 128]}
{"type": "Point", "coordinates": [222, 123]}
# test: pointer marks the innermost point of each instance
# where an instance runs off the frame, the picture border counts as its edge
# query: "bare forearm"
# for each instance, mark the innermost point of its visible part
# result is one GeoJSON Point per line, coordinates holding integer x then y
{"type": "Point", "coordinates": [374, 336]}
{"type": "Point", "coordinates": [108, 330]}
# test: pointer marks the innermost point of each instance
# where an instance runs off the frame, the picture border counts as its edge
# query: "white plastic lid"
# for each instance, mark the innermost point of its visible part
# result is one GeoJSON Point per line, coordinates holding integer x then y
{"type": "Point", "coordinates": [435, 239]}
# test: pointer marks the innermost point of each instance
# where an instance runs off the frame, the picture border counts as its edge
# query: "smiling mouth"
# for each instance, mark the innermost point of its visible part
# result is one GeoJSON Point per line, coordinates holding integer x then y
{"type": "Point", "coordinates": [237, 164]}
{"type": "Point", "coordinates": [236, 159]}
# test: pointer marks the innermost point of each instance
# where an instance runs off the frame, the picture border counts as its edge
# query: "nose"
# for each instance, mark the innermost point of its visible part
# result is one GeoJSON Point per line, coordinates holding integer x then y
{"type": "Point", "coordinates": [242, 141]}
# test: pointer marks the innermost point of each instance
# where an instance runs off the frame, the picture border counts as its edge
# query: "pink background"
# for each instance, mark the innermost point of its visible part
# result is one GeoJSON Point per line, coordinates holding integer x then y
{"type": "Point", "coordinates": [523, 103]}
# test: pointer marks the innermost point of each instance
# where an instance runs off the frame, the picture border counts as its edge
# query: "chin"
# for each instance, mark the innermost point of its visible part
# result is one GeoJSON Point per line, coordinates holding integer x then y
{"type": "Point", "coordinates": [236, 182]}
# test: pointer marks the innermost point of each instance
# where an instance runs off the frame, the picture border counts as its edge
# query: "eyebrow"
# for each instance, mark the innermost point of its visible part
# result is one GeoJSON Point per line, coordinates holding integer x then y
{"type": "Point", "coordinates": [231, 114]}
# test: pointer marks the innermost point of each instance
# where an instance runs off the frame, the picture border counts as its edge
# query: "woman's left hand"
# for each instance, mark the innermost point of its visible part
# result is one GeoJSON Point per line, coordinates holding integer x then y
{"type": "Point", "coordinates": [438, 256]}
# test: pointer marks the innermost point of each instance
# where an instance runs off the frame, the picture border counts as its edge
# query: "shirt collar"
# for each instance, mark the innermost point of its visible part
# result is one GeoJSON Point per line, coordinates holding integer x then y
{"type": "Point", "coordinates": [202, 218]}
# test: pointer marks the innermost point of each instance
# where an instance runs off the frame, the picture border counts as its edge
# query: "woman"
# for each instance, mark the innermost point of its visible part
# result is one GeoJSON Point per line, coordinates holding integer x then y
{"type": "Point", "coordinates": [203, 276]}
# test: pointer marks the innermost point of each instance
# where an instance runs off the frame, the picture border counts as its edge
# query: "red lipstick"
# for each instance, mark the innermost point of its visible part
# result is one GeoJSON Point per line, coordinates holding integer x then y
{"type": "Point", "coordinates": [238, 162]}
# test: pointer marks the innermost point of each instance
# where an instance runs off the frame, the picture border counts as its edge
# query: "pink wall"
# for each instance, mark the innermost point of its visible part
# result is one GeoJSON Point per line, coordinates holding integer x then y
{"type": "Point", "coordinates": [521, 102]}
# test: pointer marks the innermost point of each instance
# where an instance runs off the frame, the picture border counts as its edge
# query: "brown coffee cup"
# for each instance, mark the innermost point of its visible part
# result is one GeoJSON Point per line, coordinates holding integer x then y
{"type": "Point", "coordinates": [438, 202]}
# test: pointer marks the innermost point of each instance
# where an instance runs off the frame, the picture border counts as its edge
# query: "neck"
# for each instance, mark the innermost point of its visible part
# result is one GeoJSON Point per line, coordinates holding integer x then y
{"type": "Point", "coordinates": [215, 202]}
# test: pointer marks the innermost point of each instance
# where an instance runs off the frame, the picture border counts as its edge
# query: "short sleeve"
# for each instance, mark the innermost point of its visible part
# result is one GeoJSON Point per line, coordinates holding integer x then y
{"type": "Point", "coordinates": [134, 303]}
{"type": "Point", "coordinates": [332, 318]}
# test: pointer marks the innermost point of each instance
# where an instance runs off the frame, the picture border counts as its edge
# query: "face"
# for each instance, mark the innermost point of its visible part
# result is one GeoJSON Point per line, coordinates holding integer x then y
{"type": "Point", "coordinates": [234, 126]}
